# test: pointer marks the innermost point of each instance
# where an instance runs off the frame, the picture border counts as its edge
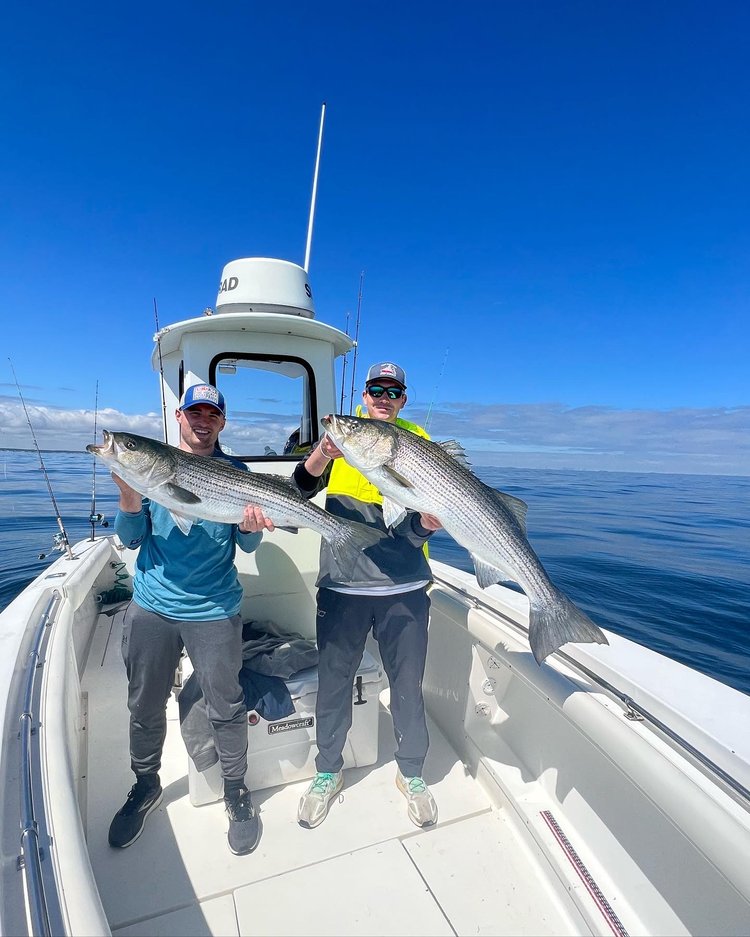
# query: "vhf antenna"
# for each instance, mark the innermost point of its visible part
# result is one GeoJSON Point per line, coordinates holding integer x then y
{"type": "Point", "coordinates": [314, 190]}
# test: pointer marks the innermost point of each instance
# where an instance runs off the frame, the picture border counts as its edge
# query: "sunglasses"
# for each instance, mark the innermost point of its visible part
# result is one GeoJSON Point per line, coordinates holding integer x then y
{"type": "Point", "coordinates": [394, 393]}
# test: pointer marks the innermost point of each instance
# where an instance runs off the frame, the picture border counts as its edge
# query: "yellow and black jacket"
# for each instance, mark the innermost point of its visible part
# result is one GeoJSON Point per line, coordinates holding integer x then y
{"type": "Point", "coordinates": [399, 558]}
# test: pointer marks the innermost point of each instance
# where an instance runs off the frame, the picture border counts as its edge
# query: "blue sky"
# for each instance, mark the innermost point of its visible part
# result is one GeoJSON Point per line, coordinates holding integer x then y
{"type": "Point", "coordinates": [553, 193]}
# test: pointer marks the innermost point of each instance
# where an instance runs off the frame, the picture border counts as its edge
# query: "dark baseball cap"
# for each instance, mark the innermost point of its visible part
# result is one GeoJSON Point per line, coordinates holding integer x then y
{"type": "Point", "coordinates": [386, 369]}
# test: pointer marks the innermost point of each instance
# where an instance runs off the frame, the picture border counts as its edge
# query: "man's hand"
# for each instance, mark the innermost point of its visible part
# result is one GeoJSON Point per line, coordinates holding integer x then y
{"type": "Point", "coordinates": [319, 459]}
{"type": "Point", "coordinates": [429, 522]}
{"type": "Point", "coordinates": [130, 500]}
{"type": "Point", "coordinates": [254, 520]}
{"type": "Point", "coordinates": [329, 448]}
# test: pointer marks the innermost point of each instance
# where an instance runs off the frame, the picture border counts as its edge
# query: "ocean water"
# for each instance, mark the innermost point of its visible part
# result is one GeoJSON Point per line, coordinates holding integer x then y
{"type": "Point", "coordinates": [661, 559]}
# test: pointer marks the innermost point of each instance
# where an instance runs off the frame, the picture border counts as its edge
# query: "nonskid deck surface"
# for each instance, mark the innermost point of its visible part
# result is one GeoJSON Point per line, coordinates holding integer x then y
{"type": "Point", "coordinates": [365, 870]}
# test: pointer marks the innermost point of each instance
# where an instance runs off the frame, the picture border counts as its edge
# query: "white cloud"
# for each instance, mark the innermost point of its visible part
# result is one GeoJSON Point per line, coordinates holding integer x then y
{"type": "Point", "coordinates": [56, 428]}
{"type": "Point", "coordinates": [713, 441]}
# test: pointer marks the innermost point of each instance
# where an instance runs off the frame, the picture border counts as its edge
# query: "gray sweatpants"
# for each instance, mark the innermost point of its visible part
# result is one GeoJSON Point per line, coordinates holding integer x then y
{"type": "Point", "coordinates": [151, 648]}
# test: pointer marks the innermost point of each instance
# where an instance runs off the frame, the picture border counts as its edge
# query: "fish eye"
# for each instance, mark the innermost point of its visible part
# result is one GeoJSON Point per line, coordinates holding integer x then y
{"type": "Point", "coordinates": [130, 444]}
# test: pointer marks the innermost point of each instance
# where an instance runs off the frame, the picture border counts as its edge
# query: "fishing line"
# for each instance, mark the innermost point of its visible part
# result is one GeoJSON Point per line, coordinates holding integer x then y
{"type": "Point", "coordinates": [61, 540]}
{"type": "Point", "coordinates": [434, 393]}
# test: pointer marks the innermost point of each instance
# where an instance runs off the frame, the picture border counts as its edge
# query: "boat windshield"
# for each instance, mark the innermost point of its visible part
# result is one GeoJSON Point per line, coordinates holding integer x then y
{"type": "Point", "coordinates": [271, 405]}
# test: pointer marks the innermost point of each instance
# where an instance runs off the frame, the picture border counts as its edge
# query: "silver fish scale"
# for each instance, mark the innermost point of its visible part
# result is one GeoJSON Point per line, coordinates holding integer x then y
{"type": "Point", "coordinates": [225, 490]}
{"type": "Point", "coordinates": [418, 474]}
{"type": "Point", "coordinates": [469, 514]}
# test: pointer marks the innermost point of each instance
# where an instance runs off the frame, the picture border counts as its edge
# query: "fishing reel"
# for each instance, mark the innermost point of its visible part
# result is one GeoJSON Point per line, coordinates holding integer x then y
{"type": "Point", "coordinates": [98, 520]}
{"type": "Point", "coordinates": [59, 543]}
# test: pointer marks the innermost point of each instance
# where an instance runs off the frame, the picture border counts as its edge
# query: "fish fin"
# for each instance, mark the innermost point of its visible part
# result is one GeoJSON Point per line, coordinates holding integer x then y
{"type": "Point", "coordinates": [392, 513]}
{"type": "Point", "coordinates": [404, 482]}
{"type": "Point", "coordinates": [453, 448]}
{"type": "Point", "coordinates": [559, 622]}
{"type": "Point", "coordinates": [516, 506]}
{"type": "Point", "coordinates": [487, 575]}
{"type": "Point", "coordinates": [184, 523]}
{"type": "Point", "coordinates": [289, 530]}
{"type": "Point", "coordinates": [351, 541]}
{"type": "Point", "coordinates": [182, 494]}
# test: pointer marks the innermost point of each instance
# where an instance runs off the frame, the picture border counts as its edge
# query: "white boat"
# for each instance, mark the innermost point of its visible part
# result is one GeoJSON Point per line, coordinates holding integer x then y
{"type": "Point", "coordinates": [606, 791]}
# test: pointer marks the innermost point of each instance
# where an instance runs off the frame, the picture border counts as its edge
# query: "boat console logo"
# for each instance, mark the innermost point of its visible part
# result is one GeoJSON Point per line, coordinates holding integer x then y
{"type": "Point", "coordinates": [231, 283]}
{"type": "Point", "coordinates": [276, 727]}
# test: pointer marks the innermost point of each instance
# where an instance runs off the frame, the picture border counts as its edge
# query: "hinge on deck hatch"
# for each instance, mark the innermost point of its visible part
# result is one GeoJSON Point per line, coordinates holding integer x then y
{"type": "Point", "coordinates": [359, 701]}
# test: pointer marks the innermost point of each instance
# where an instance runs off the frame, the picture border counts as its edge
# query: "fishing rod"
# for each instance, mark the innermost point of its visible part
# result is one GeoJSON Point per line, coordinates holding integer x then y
{"type": "Point", "coordinates": [343, 370]}
{"type": "Point", "coordinates": [95, 518]}
{"type": "Point", "coordinates": [356, 341]}
{"type": "Point", "coordinates": [434, 393]}
{"type": "Point", "coordinates": [61, 540]}
{"type": "Point", "coordinates": [161, 374]}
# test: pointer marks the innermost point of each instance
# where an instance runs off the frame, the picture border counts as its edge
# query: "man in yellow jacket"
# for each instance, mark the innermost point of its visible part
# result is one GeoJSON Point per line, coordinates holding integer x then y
{"type": "Point", "coordinates": [387, 594]}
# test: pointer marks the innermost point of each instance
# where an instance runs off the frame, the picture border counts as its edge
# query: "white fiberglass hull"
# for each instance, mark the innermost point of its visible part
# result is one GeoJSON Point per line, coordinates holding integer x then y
{"type": "Point", "coordinates": [559, 811]}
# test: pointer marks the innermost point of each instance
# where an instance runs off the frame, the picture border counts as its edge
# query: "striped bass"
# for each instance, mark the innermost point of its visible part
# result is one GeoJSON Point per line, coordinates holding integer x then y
{"type": "Point", "coordinates": [434, 478]}
{"type": "Point", "coordinates": [196, 487]}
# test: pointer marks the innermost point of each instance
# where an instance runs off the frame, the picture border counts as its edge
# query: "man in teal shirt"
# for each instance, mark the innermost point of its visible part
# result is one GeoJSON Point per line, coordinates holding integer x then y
{"type": "Point", "coordinates": [186, 594]}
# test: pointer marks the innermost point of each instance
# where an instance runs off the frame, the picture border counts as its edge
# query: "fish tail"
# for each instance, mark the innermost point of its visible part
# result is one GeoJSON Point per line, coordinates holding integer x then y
{"type": "Point", "coordinates": [348, 542]}
{"type": "Point", "coordinates": [559, 622]}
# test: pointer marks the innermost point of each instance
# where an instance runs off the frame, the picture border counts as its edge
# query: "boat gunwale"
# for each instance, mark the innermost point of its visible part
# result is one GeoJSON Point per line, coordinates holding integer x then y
{"type": "Point", "coordinates": [30, 860]}
{"type": "Point", "coordinates": [632, 710]}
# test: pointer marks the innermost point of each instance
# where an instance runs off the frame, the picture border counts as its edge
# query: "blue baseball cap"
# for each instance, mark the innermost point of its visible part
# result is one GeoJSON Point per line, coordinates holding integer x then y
{"type": "Point", "coordinates": [203, 393]}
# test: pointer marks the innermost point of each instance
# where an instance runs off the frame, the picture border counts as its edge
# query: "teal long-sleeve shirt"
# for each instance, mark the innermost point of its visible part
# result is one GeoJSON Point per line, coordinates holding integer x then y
{"type": "Point", "coordinates": [191, 577]}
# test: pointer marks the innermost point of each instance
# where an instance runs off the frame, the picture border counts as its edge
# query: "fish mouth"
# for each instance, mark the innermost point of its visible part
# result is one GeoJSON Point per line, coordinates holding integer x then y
{"type": "Point", "coordinates": [106, 447]}
{"type": "Point", "coordinates": [336, 427]}
{"type": "Point", "coordinates": [337, 421]}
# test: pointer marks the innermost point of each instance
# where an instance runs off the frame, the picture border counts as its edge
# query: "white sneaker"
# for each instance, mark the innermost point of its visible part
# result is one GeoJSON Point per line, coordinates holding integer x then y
{"type": "Point", "coordinates": [420, 802]}
{"type": "Point", "coordinates": [314, 803]}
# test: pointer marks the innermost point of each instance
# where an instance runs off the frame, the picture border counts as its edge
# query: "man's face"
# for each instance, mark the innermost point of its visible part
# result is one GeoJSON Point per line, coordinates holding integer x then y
{"type": "Point", "coordinates": [383, 407]}
{"type": "Point", "coordinates": [200, 427]}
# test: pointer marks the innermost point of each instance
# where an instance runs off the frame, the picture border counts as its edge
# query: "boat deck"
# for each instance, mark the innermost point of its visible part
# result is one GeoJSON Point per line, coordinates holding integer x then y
{"type": "Point", "coordinates": [365, 870]}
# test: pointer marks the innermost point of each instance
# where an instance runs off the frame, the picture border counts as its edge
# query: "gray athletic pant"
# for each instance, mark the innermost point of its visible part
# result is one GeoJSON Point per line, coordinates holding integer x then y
{"type": "Point", "coordinates": [399, 625]}
{"type": "Point", "coordinates": [151, 648]}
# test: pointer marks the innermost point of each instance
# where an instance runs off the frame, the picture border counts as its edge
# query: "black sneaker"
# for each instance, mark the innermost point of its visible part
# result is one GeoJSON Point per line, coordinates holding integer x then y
{"type": "Point", "coordinates": [127, 825]}
{"type": "Point", "coordinates": [244, 822]}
